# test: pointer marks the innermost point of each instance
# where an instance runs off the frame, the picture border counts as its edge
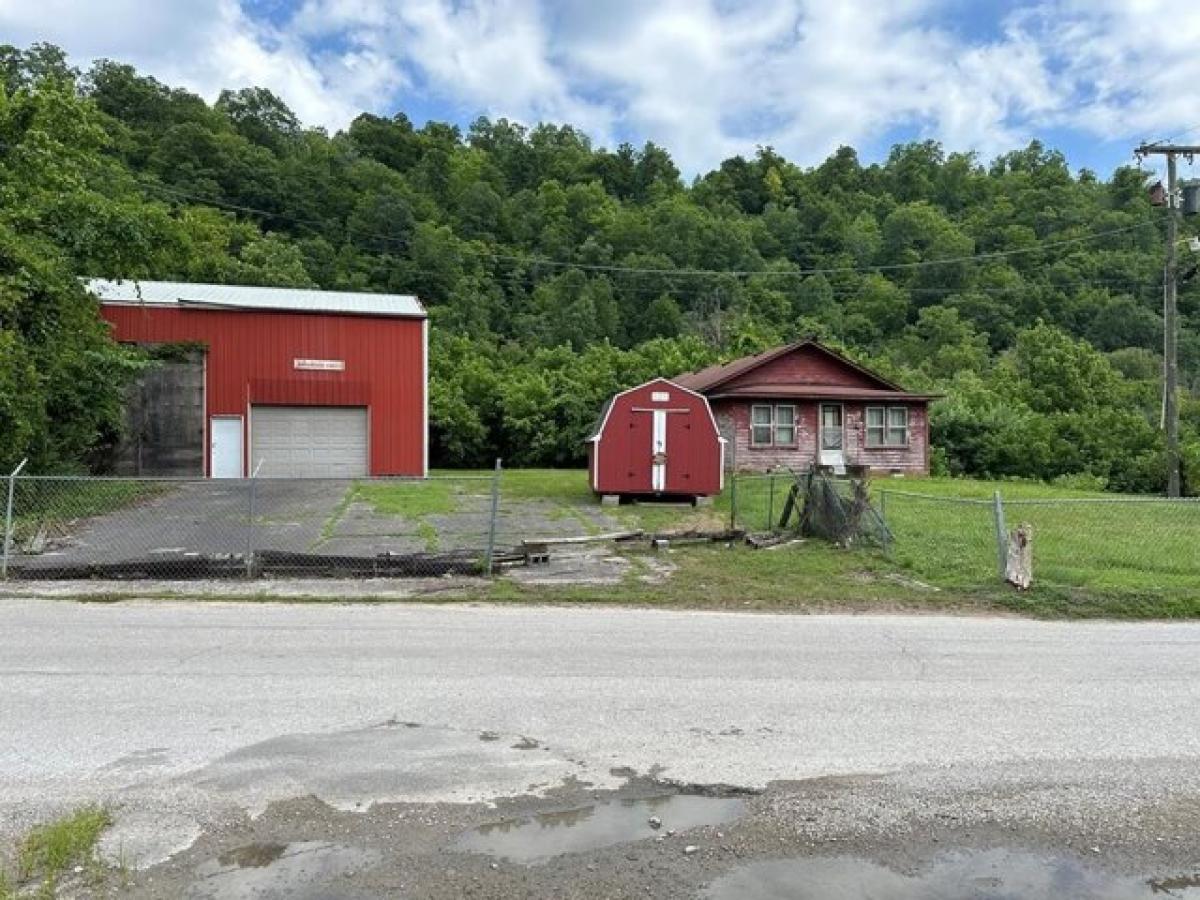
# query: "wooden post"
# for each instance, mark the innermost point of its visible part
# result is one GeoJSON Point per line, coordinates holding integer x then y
{"type": "Point", "coordinates": [1001, 535]}
{"type": "Point", "coordinates": [1019, 571]}
{"type": "Point", "coordinates": [1170, 306]}
{"type": "Point", "coordinates": [1171, 335]}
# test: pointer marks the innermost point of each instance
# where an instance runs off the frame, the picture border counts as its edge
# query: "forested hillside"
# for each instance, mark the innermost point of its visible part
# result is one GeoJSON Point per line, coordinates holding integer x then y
{"type": "Point", "coordinates": [557, 272]}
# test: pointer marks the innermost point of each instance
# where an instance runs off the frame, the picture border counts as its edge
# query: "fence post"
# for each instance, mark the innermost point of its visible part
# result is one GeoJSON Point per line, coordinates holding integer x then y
{"type": "Point", "coordinates": [8, 519]}
{"type": "Point", "coordinates": [250, 523]}
{"type": "Point", "coordinates": [733, 481]}
{"type": "Point", "coordinates": [1001, 536]}
{"type": "Point", "coordinates": [491, 538]}
{"type": "Point", "coordinates": [771, 504]}
{"type": "Point", "coordinates": [887, 531]}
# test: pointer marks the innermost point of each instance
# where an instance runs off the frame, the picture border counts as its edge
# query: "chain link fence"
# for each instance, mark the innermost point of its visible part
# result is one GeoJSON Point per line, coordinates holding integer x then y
{"type": "Point", "coordinates": [90, 527]}
{"type": "Point", "coordinates": [809, 503]}
{"type": "Point", "coordinates": [756, 501]}
{"type": "Point", "coordinates": [66, 527]}
{"type": "Point", "coordinates": [1128, 544]}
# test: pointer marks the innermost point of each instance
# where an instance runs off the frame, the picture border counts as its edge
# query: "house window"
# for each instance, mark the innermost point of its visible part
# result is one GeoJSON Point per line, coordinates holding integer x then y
{"type": "Point", "coordinates": [760, 426]}
{"type": "Point", "coordinates": [897, 430]}
{"type": "Point", "coordinates": [887, 426]}
{"type": "Point", "coordinates": [785, 426]}
{"type": "Point", "coordinates": [772, 426]}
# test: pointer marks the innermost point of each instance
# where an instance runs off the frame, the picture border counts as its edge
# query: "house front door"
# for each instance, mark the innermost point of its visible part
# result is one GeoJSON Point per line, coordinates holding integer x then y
{"type": "Point", "coordinates": [833, 438]}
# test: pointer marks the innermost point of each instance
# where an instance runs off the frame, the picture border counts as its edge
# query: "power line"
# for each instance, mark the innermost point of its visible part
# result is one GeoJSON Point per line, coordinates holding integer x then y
{"type": "Point", "coordinates": [317, 226]}
{"type": "Point", "coordinates": [1173, 137]}
{"type": "Point", "coordinates": [692, 273]}
{"type": "Point", "coordinates": [832, 270]}
{"type": "Point", "coordinates": [1116, 287]}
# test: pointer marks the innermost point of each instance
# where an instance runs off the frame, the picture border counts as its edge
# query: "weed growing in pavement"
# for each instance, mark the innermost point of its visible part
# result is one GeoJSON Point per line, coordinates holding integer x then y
{"type": "Point", "coordinates": [50, 850]}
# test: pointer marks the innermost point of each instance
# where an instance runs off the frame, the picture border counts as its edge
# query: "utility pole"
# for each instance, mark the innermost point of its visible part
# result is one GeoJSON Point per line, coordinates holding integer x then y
{"type": "Point", "coordinates": [1170, 310]}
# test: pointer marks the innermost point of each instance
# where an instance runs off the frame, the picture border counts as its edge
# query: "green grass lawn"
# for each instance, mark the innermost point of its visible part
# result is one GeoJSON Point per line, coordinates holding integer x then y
{"type": "Point", "coordinates": [568, 489]}
{"type": "Point", "coordinates": [1081, 541]}
{"type": "Point", "coordinates": [1119, 557]}
{"type": "Point", "coordinates": [410, 499]}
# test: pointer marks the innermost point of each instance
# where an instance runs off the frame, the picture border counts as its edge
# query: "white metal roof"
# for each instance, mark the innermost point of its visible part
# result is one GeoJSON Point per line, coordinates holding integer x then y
{"type": "Point", "coordinates": [231, 296]}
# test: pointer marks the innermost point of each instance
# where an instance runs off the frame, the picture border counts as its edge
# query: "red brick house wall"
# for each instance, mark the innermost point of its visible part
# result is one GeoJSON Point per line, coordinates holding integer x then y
{"type": "Point", "coordinates": [733, 421]}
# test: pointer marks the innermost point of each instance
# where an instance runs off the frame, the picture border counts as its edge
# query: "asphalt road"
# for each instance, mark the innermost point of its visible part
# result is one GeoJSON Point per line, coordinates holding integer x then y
{"type": "Point", "coordinates": [187, 713]}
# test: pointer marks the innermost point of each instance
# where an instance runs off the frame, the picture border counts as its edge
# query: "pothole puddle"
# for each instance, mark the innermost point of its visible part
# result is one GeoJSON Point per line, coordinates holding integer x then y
{"type": "Point", "coordinates": [991, 875]}
{"type": "Point", "coordinates": [266, 871]}
{"type": "Point", "coordinates": [538, 838]}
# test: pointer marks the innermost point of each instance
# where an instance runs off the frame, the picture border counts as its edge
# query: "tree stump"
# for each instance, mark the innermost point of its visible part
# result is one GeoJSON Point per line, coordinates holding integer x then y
{"type": "Point", "coordinates": [1019, 569]}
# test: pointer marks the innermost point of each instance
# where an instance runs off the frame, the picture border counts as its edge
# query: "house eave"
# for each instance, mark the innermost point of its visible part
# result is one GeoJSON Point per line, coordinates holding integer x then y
{"type": "Point", "coordinates": [780, 392]}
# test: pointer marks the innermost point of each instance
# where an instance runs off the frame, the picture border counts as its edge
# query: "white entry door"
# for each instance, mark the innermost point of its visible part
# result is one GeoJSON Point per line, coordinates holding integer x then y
{"type": "Point", "coordinates": [833, 437]}
{"type": "Point", "coordinates": [225, 455]}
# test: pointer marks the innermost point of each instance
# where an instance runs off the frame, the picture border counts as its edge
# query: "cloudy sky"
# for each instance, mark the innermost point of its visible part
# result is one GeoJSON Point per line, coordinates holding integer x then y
{"type": "Point", "coordinates": [705, 78]}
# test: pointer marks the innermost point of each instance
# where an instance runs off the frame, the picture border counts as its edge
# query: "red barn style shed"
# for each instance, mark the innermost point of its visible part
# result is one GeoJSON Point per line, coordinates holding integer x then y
{"type": "Point", "coordinates": [294, 383]}
{"type": "Point", "coordinates": [656, 438]}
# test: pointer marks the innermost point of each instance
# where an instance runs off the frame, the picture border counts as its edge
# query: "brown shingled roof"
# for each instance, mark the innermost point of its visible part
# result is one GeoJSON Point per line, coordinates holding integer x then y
{"type": "Point", "coordinates": [707, 380]}
{"type": "Point", "coordinates": [719, 374]}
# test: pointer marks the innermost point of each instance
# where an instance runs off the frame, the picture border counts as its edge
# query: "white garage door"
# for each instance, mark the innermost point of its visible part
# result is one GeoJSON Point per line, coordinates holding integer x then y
{"type": "Point", "coordinates": [308, 441]}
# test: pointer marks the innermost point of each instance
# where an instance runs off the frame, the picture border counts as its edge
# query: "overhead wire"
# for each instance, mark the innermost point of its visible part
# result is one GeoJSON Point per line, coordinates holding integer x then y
{"type": "Point", "coordinates": [826, 270]}
{"type": "Point", "coordinates": [1175, 136]}
{"type": "Point", "coordinates": [683, 272]}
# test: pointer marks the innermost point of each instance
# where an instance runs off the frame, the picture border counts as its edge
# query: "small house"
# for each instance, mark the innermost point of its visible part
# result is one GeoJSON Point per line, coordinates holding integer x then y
{"type": "Point", "coordinates": [656, 439]}
{"type": "Point", "coordinates": [805, 405]}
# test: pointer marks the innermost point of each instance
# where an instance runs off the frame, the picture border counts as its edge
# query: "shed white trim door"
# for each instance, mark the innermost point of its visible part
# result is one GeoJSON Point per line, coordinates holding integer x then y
{"type": "Point", "coordinates": [309, 441]}
{"type": "Point", "coordinates": [658, 468]}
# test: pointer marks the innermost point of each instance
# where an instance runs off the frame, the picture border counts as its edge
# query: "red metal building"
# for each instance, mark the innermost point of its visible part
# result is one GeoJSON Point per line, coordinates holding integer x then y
{"type": "Point", "coordinates": [656, 438]}
{"type": "Point", "coordinates": [296, 382]}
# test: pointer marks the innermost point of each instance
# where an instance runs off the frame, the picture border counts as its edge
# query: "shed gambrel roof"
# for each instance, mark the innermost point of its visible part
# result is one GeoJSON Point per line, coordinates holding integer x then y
{"type": "Point", "coordinates": [597, 428]}
{"type": "Point", "coordinates": [716, 381]}
{"type": "Point", "coordinates": [232, 296]}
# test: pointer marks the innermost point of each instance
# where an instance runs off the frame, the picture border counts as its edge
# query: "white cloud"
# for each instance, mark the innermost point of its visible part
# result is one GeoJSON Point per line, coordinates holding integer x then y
{"type": "Point", "coordinates": [495, 57]}
{"type": "Point", "coordinates": [1127, 67]}
{"type": "Point", "coordinates": [205, 46]}
{"type": "Point", "coordinates": [705, 78]}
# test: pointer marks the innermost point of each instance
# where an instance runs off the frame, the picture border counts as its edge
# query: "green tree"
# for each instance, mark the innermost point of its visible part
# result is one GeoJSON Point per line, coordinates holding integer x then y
{"type": "Point", "coordinates": [1058, 373]}
{"type": "Point", "coordinates": [260, 117]}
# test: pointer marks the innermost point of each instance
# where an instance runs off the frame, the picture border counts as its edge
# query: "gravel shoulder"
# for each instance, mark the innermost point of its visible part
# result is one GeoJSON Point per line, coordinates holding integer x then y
{"type": "Point", "coordinates": [1112, 822]}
